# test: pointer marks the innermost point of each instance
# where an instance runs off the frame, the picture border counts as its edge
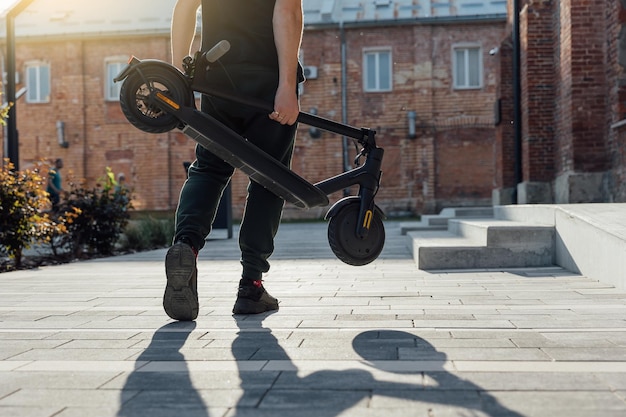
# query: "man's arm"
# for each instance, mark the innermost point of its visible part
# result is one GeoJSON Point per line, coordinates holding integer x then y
{"type": "Point", "coordinates": [183, 29]}
{"type": "Point", "coordinates": [288, 26]}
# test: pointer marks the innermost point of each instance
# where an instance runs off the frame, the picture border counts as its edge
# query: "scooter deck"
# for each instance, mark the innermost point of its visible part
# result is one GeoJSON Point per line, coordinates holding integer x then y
{"type": "Point", "coordinates": [254, 162]}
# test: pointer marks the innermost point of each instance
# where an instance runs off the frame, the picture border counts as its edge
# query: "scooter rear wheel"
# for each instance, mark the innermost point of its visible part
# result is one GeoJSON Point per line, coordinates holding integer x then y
{"type": "Point", "coordinates": [343, 239]}
{"type": "Point", "coordinates": [135, 100]}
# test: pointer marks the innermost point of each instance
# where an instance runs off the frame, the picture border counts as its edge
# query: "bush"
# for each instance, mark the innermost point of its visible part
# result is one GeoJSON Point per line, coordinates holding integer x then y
{"type": "Point", "coordinates": [23, 219]}
{"type": "Point", "coordinates": [88, 222]}
{"type": "Point", "coordinates": [148, 233]}
{"type": "Point", "coordinates": [101, 214]}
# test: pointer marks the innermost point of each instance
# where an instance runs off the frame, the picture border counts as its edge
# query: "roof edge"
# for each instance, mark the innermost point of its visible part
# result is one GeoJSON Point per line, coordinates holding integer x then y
{"type": "Point", "coordinates": [433, 20]}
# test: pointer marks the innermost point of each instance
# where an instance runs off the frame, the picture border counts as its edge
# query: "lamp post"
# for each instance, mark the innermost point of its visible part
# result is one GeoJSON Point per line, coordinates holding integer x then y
{"type": "Point", "coordinates": [13, 151]}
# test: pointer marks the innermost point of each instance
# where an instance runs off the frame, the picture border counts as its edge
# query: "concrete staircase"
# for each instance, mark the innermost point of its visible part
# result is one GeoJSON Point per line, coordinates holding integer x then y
{"type": "Point", "coordinates": [589, 239]}
{"type": "Point", "coordinates": [430, 222]}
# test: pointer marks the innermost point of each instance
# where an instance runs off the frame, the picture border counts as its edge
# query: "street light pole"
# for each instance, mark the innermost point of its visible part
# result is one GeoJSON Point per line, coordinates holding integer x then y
{"type": "Point", "coordinates": [13, 148]}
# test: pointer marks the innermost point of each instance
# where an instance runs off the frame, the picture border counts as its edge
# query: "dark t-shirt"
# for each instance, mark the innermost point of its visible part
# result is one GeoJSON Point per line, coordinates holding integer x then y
{"type": "Point", "coordinates": [247, 25]}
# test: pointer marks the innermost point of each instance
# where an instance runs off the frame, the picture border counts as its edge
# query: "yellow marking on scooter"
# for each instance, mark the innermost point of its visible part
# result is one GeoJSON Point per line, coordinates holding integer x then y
{"type": "Point", "coordinates": [168, 101]}
{"type": "Point", "coordinates": [367, 222]}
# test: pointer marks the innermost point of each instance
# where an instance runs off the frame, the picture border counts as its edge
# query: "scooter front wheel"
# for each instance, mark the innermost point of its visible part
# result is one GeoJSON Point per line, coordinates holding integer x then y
{"type": "Point", "coordinates": [347, 245]}
{"type": "Point", "coordinates": [135, 96]}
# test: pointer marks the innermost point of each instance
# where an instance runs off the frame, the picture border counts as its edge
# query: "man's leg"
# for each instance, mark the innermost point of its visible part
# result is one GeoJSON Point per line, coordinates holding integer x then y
{"type": "Point", "coordinates": [196, 210]}
{"type": "Point", "coordinates": [200, 196]}
{"type": "Point", "coordinates": [261, 219]}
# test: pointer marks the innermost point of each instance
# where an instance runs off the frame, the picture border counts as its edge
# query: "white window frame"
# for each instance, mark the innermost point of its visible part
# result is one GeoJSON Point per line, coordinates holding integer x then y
{"type": "Point", "coordinates": [35, 88]}
{"type": "Point", "coordinates": [376, 52]}
{"type": "Point", "coordinates": [466, 83]}
{"type": "Point", "coordinates": [112, 89]}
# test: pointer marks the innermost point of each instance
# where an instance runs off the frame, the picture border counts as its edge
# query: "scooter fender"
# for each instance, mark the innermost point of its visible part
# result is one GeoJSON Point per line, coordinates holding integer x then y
{"type": "Point", "coordinates": [135, 64]}
{"type": "Point", "coordinates": [350, 200]}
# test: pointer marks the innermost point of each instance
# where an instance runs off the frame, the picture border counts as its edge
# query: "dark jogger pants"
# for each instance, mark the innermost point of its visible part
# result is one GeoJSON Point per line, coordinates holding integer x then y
{"type": "Point", "coordinates": [209, 175]}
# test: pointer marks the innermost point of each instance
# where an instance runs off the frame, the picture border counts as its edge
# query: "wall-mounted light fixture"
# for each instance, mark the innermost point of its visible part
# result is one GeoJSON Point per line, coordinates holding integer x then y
{"type": "Point", "coordinates": [314, 132]}
{"type": "Point", "coordinates": [411, 118]}
{"type": "Point", "coordinates": [61, 134]}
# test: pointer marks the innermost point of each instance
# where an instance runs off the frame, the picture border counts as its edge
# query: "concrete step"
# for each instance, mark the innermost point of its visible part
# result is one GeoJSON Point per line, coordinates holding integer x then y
{"type": "Point", "coordinates": [471, 244]}
{"type": "Point", "coordinates": [468, 212]}
{"type": "Point", "coordinates": [591, 237]}
{"type": "Point", "coordinates": [440, 221]}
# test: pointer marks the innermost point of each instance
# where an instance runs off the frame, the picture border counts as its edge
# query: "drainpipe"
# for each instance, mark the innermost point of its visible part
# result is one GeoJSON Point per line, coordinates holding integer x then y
{"type": "Point", "coordinates": [517, 98]}
{"type": "Point", "coordinates": [344, 100]}
{"type": "Point", "coordinates": [84, 108]}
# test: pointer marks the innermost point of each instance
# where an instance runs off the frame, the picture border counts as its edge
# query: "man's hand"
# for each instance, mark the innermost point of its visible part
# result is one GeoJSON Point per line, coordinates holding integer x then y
{"type": "Point", "coordinates": [286, 106]}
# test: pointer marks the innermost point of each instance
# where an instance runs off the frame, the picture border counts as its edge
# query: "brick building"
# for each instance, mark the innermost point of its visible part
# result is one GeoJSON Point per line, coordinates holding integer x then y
{"type": "Point", "coordinates": [419, 72]}
{"type": "Point", "coordinates": [573, 103]}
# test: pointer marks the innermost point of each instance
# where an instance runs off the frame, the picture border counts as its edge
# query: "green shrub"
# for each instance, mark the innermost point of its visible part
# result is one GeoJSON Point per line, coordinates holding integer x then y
{"type": "Point", "coordinates": [23, 217]}
{"type": "Point", "coordinates": [148, 233]}
{"type": "Point", "coordinates": [101, 214]}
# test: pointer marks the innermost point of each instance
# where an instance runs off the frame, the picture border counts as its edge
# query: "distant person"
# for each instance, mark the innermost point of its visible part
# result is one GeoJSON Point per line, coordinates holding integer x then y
{"type": "Point", "coordinates": [121, 182]}
{"type": "Point", "coordinates": [55, 189]}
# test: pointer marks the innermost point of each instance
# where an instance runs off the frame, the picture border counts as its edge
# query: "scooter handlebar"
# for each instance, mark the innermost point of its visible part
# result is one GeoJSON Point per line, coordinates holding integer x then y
{"type": "Point", "coordinates": [217, 51]}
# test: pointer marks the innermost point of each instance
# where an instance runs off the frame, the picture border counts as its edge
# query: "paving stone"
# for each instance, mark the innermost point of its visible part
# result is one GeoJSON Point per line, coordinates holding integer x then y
{"type": "Point", "coordinates": [587, 354]}
{"type": "Point", "coordinates": [474, 354]}
{"type": "Point", "coordinates": [42, 411]}
{"type": "Point", "coordinates": [557, 404]}
{"type": "Point", "coordinates": [60, 354]}
{"type": "Point", "coordinates": [197, 380]}
{"type": "Point", "coordinates": [141, 411]}
{"type": "Point", "coordinates": [60, 397]}
{"type": "Point", "coordinates": [511, 381]}
{"type": "Point", "coordinates": [54, 380]}
{"type": "Point", "coordinates": [385, 339]}
{"type": "Point", "coordinates": [327, 400]}
{"type": "Point", "coordinates": [616, 382]}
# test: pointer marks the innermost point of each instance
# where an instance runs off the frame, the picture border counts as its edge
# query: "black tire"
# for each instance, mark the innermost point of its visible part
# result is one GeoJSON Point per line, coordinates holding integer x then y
{"type": "Point", "coordinates": [345, 243]}
{"type": "Point", "coordinates": [134, 96]}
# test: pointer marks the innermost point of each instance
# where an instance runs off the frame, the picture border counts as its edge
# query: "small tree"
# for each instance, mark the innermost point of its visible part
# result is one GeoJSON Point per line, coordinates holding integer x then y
{"type": "Point", "coordinates": [101, 214]}
{"type": "Point", "coordinates": [23, 220]}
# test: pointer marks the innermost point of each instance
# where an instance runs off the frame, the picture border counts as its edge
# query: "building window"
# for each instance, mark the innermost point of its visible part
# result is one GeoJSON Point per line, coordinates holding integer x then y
{"type": "Point", "coordinates": [37, 82]}
{"type": "Point", "coordinates": [467, 67]}
{"type": "Point", "coordinates": [377, 72]}
{"type": "Point", "coordinates": [113, 68]}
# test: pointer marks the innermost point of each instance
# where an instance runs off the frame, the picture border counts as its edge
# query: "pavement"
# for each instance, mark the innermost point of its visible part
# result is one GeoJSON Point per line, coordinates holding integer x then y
{"type": "Point", "coordinates": [90, 339]}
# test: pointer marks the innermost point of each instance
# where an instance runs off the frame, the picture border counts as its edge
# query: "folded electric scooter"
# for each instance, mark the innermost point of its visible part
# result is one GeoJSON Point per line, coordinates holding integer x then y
{"type": "Point", "coordinates": [156, 97]}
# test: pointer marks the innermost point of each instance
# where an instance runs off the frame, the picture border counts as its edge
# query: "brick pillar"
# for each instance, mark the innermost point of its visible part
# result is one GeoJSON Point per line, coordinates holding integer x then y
{"type": "Point", "coordinates": [537, 74]}
{"type": "Point", "coordinates": [582, 149]}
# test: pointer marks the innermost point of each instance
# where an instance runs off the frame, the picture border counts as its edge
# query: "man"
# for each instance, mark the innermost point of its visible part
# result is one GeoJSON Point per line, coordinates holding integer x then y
{"type": "Point", "coordinates": [265, 37]}
{"type": "Point", "coordinates": [55, 188]}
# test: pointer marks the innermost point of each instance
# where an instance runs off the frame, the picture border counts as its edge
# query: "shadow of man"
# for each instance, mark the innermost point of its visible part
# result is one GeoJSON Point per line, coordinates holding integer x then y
{"type": "Point", "coordinates": [329, 393]}
{"type": "Point", "coordinates": [161, 393]}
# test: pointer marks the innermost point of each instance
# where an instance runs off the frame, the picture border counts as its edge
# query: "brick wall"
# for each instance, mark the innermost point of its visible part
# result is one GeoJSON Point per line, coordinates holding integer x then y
{"type": "Point", "coordinates": [454, 127]}
{"type": "Point", "coordinates": [413, 178]}
{"type": "Point", "coordinates": [573, 97]}
{"type": "Point", "coordinates": [98, 133]}
{"type": "Point", "coordinates": [582, 92]}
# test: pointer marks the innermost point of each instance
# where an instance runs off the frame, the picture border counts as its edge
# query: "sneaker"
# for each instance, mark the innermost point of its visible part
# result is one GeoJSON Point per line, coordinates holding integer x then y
{"type": "Point", "coordinates": [180, 300]}
{"type": "Point", "coordinates": [252, 298]}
